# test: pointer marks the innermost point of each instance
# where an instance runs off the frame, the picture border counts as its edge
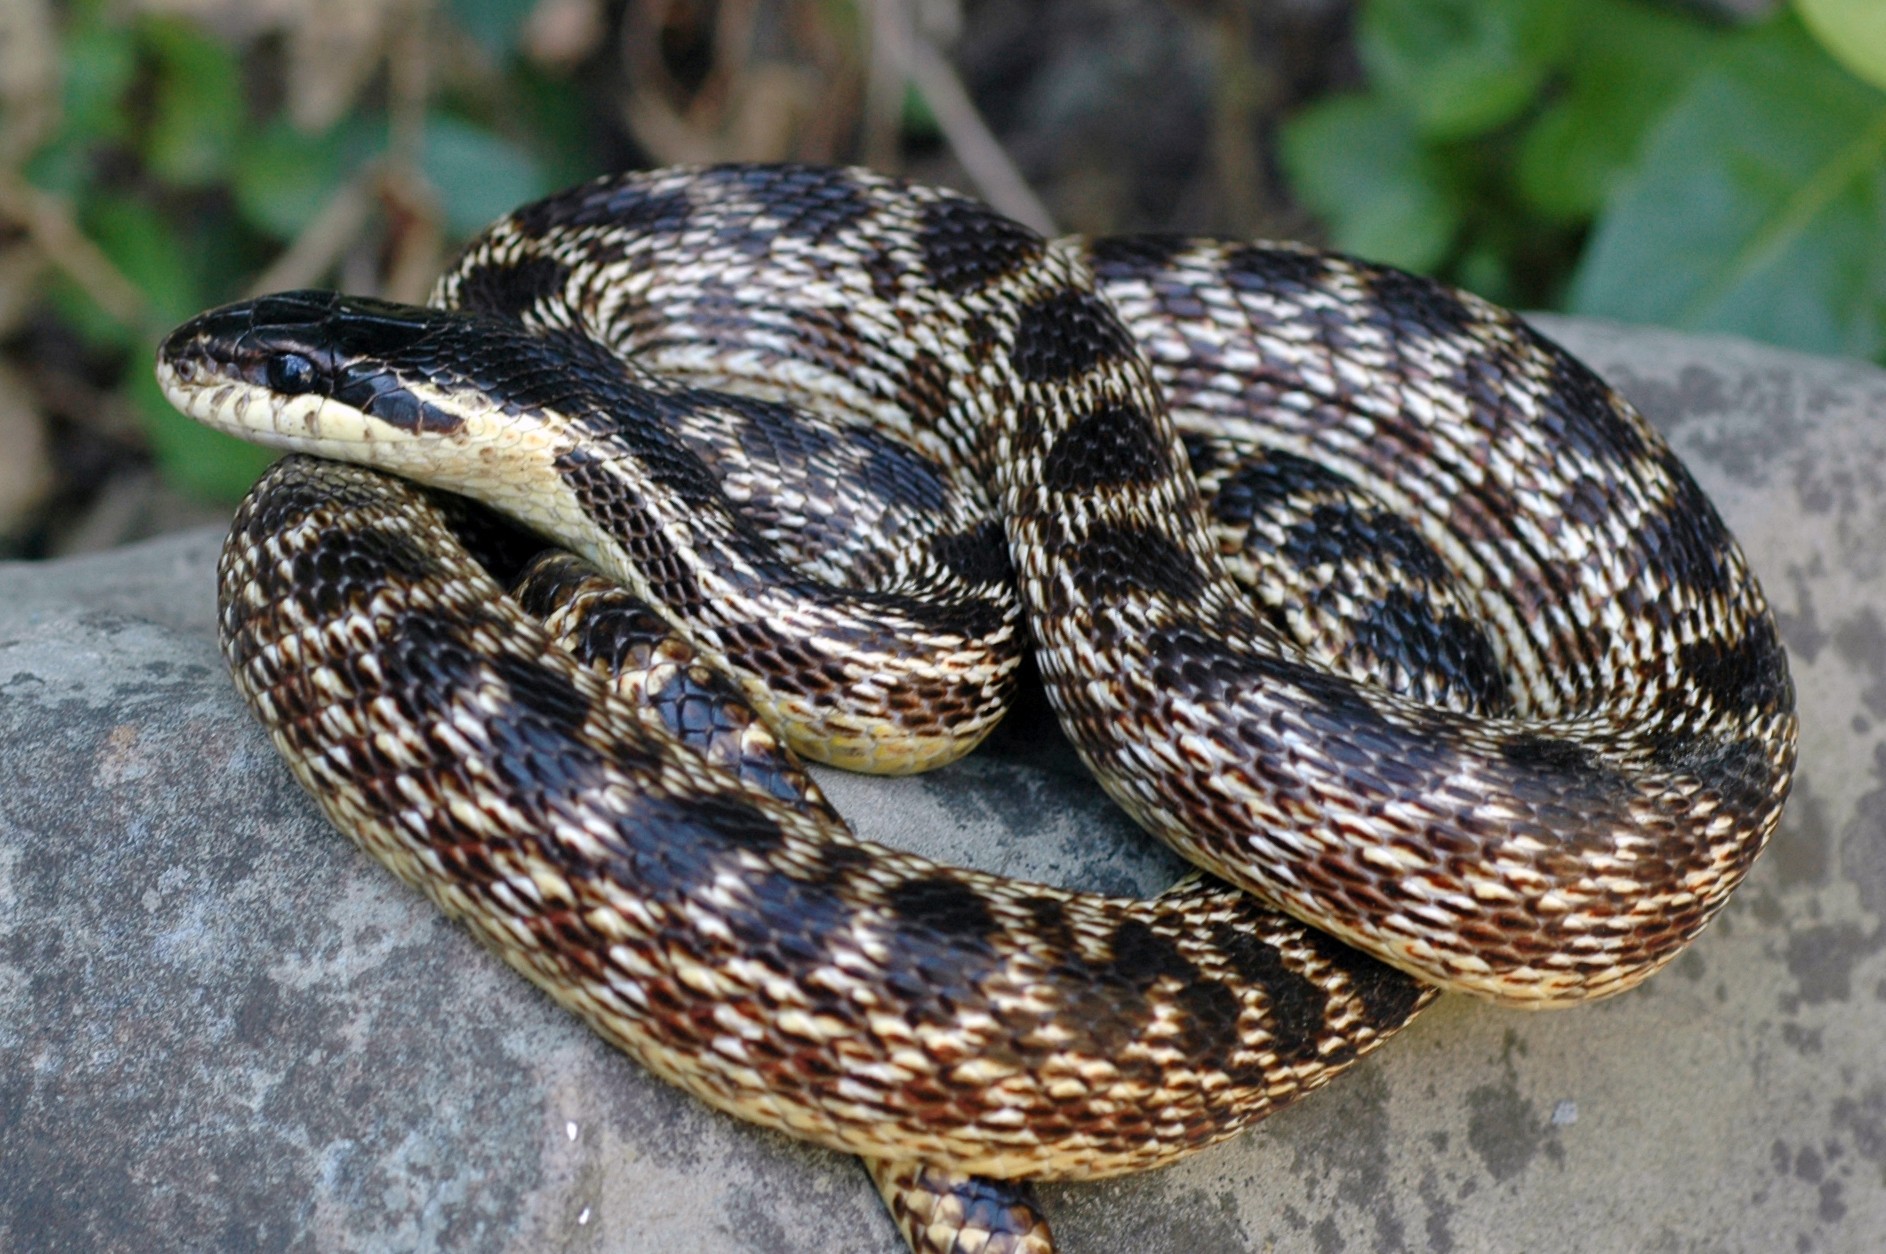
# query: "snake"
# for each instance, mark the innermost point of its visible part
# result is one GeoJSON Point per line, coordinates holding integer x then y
{"type": "Point", "coordinates": [1364, 596]}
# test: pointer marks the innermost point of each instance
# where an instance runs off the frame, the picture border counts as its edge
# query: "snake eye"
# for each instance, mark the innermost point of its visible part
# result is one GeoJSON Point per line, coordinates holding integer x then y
{"type": "Point", "coordinates": [290, 373]}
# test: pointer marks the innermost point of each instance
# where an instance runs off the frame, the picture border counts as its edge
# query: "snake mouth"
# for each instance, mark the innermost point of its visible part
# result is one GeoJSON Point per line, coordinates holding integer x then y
{"type": "Point", "coordinates": [307, 370]}
{"type": "Point", "coordinates": [224, 367]}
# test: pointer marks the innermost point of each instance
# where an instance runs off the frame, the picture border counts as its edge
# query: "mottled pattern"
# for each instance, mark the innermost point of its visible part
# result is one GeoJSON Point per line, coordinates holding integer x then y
{"type": "Point", "coordinates": [1560, 851]}
{"type": "Point", "coordinates": [748, 948]}
{"type": "Point", "coordinates": [221, 1026]}
{"type": "Point", "coordinates": [1353, 584]}
{"type": "Point", "coordinates": [832, 609]}
{"type": "Point", "coordinates": [945, 1212]}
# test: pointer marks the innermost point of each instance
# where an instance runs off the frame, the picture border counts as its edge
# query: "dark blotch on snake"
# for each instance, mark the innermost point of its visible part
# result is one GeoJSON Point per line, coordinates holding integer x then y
{"type": "Point", "coordinates": [1129, 256]}
{"type": "Point", "coordinates": [1266, 479]}
{"type": "Point", "coordinates": [1388, 996]}
{"type": "Point", "coordinates": [540, 697]}
{"type": "Point", "coordinates": [978, 557]}
{"type": "Point", "coordinates": [1048, 917]}
{"type": "Point", "coordinates": [1335, 712]}
{"type": "Point", "coordinates": [514, 288]}
{"type": "Point", "coordinates": [1253, 268]}
{"type": "Point", "coordinates": [1108, 1001]}
{"type": "Point", "coordinates": [1409, 303]}
{"type": "Point", "coordinates": [1548, 755]}
{"type": "Point", "coordinates": [1582, 411]}
{"type": "Point", "coordinates": [1561, 782]}
{"type": "Point", "coordinates": [623, 515]}
{"type": "Point", "coordinates": [943, 907]}
{"type": "Point", "coordinates": [1297, 1006]}
{"type": "Point", "coordinates": [1336, 531]}
{"type": "Point", "coordinates": [1425, 639]}
{"type": "Point", "coordinates": [900, 473]}
{"type": "Point", "coordinates": [344, 572]}
{"type": "Point", "coordinates": [651, 438]}
{"type": "Point", "coordinates": [1684, 542]}
{"type": "Point", "coordinates": [1144, 958]}
{"type": "Point", "coordinates": [1738, 680]}
{"type": "Point", "coordinates": [1113, 446]}
{"type": "Point", "coordinates": [635, 209]}
{"type": "Point", "coordinates": [836, 863]}
{"type": "Point", "coordinates": [816, 203]}
{"type": "Point", "coordinates": [964, 244]}
{"type": "Point", "coordinates": [1067, 334]}
{"type": "Point", "coordinates": [1125, 563]}
{"type": "Point", "coordinates": [1183, 656]}
{"type": "Point", "coordinates": [672, 849]}
{"type": "Point", "coordinates": [785, 204]}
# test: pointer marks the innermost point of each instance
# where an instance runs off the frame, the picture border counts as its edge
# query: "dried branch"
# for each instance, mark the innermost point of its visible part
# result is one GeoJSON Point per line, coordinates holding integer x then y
{"type": "Point", "coordinates": [48, 222]}
{"type": "Point", "coordinates": [968, 136]}
{"type": "Point", "coordinates": [336, 225]}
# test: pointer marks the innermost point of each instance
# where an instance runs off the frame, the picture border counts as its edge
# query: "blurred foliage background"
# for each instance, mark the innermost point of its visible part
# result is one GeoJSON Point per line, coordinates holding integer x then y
{"type": "Point", "coordinates": [1717, 166]}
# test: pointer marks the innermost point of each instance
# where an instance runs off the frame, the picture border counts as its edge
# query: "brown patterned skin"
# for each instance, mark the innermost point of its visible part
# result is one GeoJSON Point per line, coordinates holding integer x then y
{"type": "Point", "coordinates": [1523, 746]}
{"type": "Point", "coordinates": [744, 946]}
{"type": "Point", "coordinates": [938, 1210]}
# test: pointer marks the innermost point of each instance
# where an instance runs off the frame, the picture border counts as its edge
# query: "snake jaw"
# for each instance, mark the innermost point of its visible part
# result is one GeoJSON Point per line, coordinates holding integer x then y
{"type": "Point", "coordinates": [301, 424]}
{"type": "Point", "coordinates": [314, 372]}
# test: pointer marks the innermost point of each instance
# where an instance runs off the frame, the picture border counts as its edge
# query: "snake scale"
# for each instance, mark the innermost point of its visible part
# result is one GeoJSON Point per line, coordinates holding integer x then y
{"type": "Point", "coordinates": [1451, 678]}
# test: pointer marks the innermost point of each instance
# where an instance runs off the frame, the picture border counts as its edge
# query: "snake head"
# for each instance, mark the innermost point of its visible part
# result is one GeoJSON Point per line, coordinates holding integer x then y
{"type": "Point", "coordinates": [309, 371]}
{"type": "Point", "coordinates": [441, 397]}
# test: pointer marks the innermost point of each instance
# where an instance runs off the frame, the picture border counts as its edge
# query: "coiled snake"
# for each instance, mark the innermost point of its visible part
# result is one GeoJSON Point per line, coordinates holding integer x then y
{"type": "Point", "coordinates": [1504, 710]}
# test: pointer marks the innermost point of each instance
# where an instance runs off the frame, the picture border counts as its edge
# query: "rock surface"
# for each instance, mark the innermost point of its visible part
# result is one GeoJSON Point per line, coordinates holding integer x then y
{"type": "Point", "coordinates": [223, 1028]}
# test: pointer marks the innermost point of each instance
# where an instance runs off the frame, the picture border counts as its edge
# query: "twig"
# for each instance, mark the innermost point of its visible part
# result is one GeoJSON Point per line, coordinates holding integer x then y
{"type": "Point", "coordinates": [1242, 88]}
{"type": "Point", "coordinates": [48, 222]}
{"type": "Point", "coordinates": [414, 235]}
{"type": "Point", "coordinates": [408, 74]}
{"type": "Point", "coordinates": [884, 86]}
{"type": "Point", "coordinates": [982, 155]}
{"type": "Point", "coordinates": [327, 235]}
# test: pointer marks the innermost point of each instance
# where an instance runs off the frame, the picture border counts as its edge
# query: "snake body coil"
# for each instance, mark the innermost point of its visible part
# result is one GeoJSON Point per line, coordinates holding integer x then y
{"type": "Point", "coordinates": [1507, 710]}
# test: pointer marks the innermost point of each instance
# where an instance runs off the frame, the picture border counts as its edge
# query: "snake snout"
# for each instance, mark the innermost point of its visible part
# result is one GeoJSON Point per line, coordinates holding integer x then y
{"type": "Point", "coordinates": [277, 342]}
{"type": "Point", "coordinates": [308, 370]}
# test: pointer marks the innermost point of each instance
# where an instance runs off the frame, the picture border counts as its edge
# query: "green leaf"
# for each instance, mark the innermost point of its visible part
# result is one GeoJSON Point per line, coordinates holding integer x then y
{"type": "Point", "coordinates": [1853, 30]}
{"type": "Point", "coordinates": [1358, 164]}
{"type": "Point", "coordinates": [282, 177]}
{"type": "Point", "coordinates": [553, 111]}
{"type": "Point", "coordinates": [1462, 67]}
{"type": "Point", "coordinates": [144, 248]}
{"type": "Point", "coordinates": [198, 104]}
{"type": "Point", "coordinates": [919, 119]}
{"type": "Point", "coordinates": [1627, 63]}
{"type": "Point", "coordinates": [1755, 207]}
{"type": "Point", "coordinates": [479, 176]}
{"type": "Point", "coordinates": [97, 64]}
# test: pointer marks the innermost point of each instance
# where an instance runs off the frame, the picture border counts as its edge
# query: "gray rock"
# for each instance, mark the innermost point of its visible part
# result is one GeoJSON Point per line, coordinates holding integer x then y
{"type": "Point", "coordinates": [223, 1028]}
